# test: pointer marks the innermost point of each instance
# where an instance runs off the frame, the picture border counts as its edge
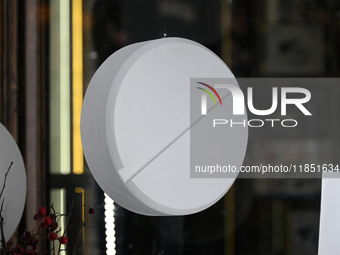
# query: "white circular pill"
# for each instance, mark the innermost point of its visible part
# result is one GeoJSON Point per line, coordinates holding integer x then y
{"type": "Point", "coordinates": [136, 127]}
{"type": "Point", "coordinates": [14, 193]}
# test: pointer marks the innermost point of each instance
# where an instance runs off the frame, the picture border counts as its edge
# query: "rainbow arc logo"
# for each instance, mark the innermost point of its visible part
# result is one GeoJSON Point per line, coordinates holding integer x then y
{"type": "Point", "coordinates": [207, 91]}
{"type": "Point", "coordinates": [204, 98]}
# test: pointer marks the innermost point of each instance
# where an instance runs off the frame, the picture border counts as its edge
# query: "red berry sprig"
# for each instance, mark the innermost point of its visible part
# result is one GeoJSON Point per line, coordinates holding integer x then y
{"type": "Point", "coordinates": [29, 244]}
{"type": "Point", "coordinates": [52, 236]}
{"type": "Point", "coordinates": [47, 221]}
{"type": "Point", "coordinates": [63, 240]}
{"type": "Point", "coordinates": [43, 223]}
{"type": "Point", "coordinates": [42, 211]}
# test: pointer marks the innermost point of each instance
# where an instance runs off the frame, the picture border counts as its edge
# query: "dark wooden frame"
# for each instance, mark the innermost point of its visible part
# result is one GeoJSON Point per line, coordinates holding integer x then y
{"type": "Point", "coordinates": [23, 92]}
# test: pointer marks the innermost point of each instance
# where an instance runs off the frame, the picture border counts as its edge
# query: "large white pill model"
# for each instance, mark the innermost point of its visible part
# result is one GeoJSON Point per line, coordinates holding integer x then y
{"type": "Point", "coordinates": [134, 127]}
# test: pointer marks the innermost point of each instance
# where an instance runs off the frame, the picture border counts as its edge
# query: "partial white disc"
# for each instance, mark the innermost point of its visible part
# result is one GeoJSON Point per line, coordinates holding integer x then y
{"type": "Point", "coordinates": [14, 195]}
{"type": "Point", "coordinates": [134, 119]}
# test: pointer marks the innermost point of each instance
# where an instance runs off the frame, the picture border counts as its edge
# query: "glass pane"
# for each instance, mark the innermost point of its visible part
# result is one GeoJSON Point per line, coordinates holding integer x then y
{"type": "Point", "coordinates": [262, 38]}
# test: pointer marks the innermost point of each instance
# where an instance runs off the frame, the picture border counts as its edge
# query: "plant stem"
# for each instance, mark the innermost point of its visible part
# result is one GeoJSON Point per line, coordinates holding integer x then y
{"type": "Point", "coordinates": [3, 241]}
{"type": "Point", "coordinates": [3, 187]}
{"type": "Point", "coordinates": [67, 222]}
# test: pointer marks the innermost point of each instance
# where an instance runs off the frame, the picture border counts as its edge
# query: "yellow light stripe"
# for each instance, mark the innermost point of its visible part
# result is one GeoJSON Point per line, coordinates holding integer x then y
{"type": "Point", "coordinates": [82, 192]}
{"type": "Point", "coordinates": [226, 28]}
{"type": "Point", "coordinates": [229, 223]}
{"type": "Point", "coordinates": [77, 83]}
{"type": "Point", "coordinates": [229, 198]}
